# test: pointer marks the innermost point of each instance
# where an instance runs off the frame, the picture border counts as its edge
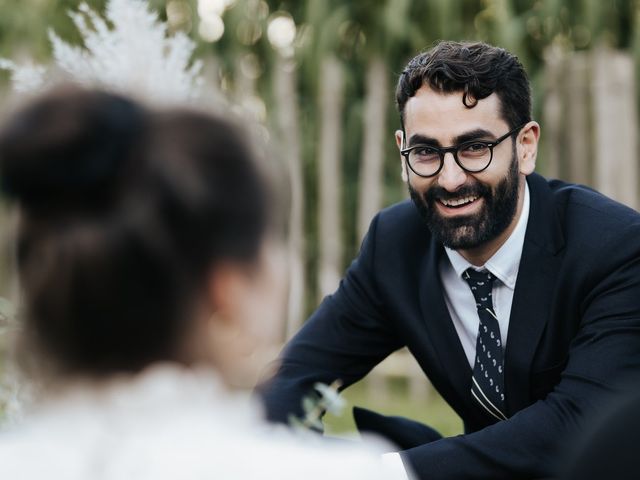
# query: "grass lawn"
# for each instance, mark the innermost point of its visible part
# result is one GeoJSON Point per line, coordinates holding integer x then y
{"type": "Point", "coordinates": [395, 400]}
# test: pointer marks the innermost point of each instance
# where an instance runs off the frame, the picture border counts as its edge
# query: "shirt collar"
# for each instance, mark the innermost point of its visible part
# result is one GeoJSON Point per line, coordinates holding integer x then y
{"type": "Point", "coordinates": [505, 262]}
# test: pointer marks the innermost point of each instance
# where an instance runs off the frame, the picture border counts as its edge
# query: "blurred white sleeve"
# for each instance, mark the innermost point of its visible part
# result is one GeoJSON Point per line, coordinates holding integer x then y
{"type": "Point", "coordinates": [393, 461]}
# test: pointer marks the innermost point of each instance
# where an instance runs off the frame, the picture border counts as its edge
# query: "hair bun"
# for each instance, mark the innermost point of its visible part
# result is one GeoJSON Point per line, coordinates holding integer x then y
{"type": "Point", "coordinates": [69, 145]}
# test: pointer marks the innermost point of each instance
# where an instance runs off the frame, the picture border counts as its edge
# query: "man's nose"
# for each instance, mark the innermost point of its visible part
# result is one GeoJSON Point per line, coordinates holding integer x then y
{"type": "Point", "coordinates": [451, 177]}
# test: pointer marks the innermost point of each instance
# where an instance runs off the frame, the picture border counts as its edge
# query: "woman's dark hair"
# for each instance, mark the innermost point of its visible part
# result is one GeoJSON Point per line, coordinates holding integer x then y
{"type": "Point", "coordinates": [477, 70]}
{"type": "Point", "coordinates": [124, 210]}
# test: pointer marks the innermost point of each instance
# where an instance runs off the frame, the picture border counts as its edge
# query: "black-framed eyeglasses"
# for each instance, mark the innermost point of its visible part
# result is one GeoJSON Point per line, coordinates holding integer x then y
{"type": "Point", "coordinates": [473, 156]}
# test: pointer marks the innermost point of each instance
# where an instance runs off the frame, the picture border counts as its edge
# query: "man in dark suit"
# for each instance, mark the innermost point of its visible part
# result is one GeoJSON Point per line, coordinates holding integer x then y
{"type": "Point", "coordinates": [519, 297]}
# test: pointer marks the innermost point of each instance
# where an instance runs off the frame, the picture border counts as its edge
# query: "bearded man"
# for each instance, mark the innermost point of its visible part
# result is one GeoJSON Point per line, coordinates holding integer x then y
{"type": "Point", "coordinates": [518, 296]}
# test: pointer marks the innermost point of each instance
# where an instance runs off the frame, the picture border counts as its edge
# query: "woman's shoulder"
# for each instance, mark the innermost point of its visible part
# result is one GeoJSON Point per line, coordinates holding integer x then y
{"type": "Point", "coordinates": [171, 424]}
{"type": "Point", "coordinates": [186, 453]}
{"type": "Point", "coordinates": [286, 455]}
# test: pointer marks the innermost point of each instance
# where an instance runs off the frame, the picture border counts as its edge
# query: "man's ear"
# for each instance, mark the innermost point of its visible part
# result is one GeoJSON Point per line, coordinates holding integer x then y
{"type": "Point", "coordinates": [403, 167]}
{"type": "Point", "coordinates": [527, 147]}
{"type": "Point", "coordinates": [399, 139]}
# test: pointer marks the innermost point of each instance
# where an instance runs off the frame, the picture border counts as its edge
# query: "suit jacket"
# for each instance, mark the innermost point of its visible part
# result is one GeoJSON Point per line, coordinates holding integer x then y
{"type": "Point", "coordinates": [574, 332]}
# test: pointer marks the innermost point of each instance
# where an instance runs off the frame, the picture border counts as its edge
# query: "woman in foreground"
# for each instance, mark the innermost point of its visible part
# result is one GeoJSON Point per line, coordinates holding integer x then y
{"type": "Point", "coordinates": [149, 278]}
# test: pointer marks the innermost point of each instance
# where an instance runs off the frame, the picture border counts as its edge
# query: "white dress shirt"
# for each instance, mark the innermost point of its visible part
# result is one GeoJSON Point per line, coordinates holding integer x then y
{"type": "Point", "coordinates": [503, 265]}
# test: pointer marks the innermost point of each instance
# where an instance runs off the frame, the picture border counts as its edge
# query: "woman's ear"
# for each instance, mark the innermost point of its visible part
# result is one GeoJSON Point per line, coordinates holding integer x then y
{"type": "Point", "coordinates": [229, 342]}
{"type": "Point", "coordinates": [226, 287]}
{"type": "Point", "coordinates": [242, 317]}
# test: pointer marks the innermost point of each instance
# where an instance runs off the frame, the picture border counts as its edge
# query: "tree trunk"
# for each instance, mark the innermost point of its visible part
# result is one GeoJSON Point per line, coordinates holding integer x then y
{"type": "Point", "coordinates": [552, 113]}
{"type": "Point", "coordinates": [579, 125]}
{"type": "Point", "coordinates": [330, 176]}
{"type": "Point", "coordinates": [616, 139]}
{"type": "Point", "coordinates": [374, 132]}
{"type": "Point", "coordinates": [285, 94]}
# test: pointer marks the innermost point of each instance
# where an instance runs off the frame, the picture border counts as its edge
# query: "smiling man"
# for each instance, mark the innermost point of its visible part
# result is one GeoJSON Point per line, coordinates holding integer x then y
{"type": "Point", "coordinates": [517, 295]}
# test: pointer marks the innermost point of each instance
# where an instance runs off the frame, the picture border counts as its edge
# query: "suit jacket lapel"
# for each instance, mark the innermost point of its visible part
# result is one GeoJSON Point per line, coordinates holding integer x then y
{"type": "Point", "coordinates": [442, 333]}
{"type": "Point", "coordinates": [533, 292]}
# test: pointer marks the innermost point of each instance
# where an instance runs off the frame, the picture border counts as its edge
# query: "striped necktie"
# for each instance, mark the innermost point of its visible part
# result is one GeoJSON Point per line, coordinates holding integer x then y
{"type": "Point", "coordinates": [487, 385]}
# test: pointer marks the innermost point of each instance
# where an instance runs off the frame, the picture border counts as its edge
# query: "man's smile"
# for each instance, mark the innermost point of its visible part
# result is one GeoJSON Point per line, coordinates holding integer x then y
{"type": "Point", "coordinates": [458, 206]}
{"type": "Point", "coordinates": [458, 202]}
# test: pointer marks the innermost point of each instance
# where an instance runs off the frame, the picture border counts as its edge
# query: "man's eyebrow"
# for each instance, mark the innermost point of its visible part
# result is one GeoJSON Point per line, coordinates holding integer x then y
{"type": "Point", "coordinates": [477, 134]}
{"type": "Point", "coordinates": [417, 139]}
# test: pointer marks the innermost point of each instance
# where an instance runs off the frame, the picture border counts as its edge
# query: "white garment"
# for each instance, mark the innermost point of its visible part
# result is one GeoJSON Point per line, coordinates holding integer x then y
{"type": "Point", "coordinates": [504, 265]}
{"type": "Point", "coordinates": [169, 423]}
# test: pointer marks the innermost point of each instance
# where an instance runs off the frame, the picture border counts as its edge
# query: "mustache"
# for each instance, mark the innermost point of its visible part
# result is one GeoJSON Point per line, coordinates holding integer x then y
{"type": "Point", "coordinates": [438, 193]}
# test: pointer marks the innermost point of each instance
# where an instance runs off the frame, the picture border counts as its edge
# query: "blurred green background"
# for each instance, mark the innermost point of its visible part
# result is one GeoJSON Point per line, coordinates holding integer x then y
{"type": "Point", "coordinates": [320, 75]}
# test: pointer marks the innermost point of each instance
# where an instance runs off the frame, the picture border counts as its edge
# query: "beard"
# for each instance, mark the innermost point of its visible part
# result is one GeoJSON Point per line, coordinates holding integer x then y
{"type": "Point", "coordinates": [470, 231]}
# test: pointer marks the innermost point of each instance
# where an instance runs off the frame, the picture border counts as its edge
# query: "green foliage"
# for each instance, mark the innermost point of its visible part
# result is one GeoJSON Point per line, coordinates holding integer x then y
{"type": "Point", "coordinates": [355, 32]}
{"type": "Point", "coordinates": [433, 412]}
{"type": "Point", "coordinates": [7, 314]}
{"type": "Point", "coordinates": [23, 29]}
{"type": "Point", "coordinates": [7, 322]}
{"type": "Point", "coordinates": [324, 398]}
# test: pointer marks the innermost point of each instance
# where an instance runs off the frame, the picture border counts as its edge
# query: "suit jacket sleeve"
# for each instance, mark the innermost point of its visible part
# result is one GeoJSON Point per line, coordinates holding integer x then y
{"type": "Point", "coordinates": [358, 326]}
{"type": "Point", "coordinates": [344, 339]}
{"type": "Point", "coordinates": [603, 357]}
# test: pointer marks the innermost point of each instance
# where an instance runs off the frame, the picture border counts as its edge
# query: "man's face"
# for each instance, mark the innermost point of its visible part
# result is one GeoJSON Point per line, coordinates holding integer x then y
{"type": "Point", "coordinates": [466, 231]}
{"type": "Point", "coordinates": [464, 210]}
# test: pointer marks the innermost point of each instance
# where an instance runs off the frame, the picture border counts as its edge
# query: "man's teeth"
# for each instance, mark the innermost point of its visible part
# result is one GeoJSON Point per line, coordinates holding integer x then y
{"type": "Point", "coordinates": [456, 202]}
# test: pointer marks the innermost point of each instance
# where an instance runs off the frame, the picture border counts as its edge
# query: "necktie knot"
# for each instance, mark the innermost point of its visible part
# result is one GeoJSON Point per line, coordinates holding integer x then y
{"type": "Point", "coordinates": [481, 284]}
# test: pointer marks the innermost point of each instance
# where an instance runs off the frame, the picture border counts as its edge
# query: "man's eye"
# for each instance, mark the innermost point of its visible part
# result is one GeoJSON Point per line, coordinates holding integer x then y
{"type": "Point", "coordinates": [425, 152]}
{"type": "Point", "coordinates": [474, 148]}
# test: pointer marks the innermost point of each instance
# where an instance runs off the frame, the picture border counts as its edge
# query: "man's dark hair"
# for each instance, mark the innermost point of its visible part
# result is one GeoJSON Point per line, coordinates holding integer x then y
{"type": "Point", "coordinates": [477, 70]}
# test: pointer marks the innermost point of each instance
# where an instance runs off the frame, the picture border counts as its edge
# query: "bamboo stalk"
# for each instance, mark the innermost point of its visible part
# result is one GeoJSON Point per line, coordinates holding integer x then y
{"type": "Point", "coordinates": [372, 161]}
{"type": "Point", "coordinates": [330, 176]}
{"type": "Point", "coordinates": [616, 133]}
{"type": "Point", "coordinates": [579, 138]}
{"type": "Point", "coordinates": [285, 94]}
{"type": "Point", "coordinates": [553, 110]}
